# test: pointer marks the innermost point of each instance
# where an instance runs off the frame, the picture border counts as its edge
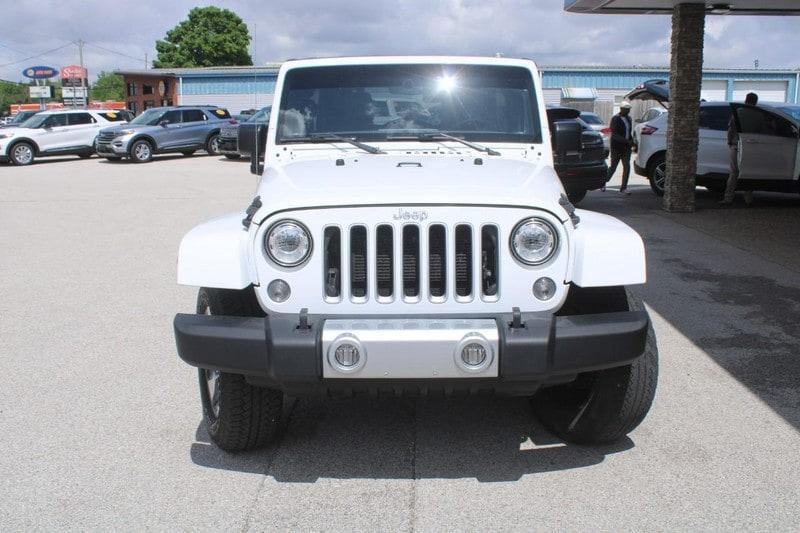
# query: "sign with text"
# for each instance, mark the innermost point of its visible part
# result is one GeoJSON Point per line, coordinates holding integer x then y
{"type": "Point", "coordinates": [41, 91]}
{"type": "Point", "coordinates": [74, 92]}
{"type": "Point", "coordinates": [74, 72]}
{"type": "Point", "coordinates": [40, 72]}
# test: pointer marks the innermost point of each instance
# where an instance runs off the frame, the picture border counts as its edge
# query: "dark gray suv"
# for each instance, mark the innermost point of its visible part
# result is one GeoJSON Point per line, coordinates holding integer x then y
{"type": "Point", "coordinates": [183, 129]}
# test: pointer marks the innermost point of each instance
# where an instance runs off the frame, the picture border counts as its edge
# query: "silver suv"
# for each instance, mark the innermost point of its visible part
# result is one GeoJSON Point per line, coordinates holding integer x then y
{"type": "Point", "coordinates": [163, 130]}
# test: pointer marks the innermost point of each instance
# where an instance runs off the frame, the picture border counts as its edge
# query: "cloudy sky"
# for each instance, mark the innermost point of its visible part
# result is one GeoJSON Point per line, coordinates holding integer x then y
{"type": "Point", "coordinates": [118, 34]}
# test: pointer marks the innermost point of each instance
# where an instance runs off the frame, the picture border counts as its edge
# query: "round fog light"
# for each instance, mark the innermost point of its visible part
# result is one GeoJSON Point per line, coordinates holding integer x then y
{"type": "Point", "coordinates": [473, 354]}
{"type": "Point", "coordinates": [544, 288]}
{"type": "Point", "coordinates": [278, 290]}
{"type": "Point", "coordinates": [347, 355]}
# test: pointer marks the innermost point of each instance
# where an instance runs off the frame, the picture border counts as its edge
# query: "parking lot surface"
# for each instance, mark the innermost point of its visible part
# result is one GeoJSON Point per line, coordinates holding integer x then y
{"type": "Point", "coordinates": [100, 421]}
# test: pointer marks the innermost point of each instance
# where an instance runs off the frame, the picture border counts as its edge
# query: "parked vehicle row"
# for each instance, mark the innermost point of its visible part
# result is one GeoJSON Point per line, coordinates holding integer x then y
{"type": "Point", "coordinates": [769, 140]}
{"type": "Point", "coordinates": [237, 140]}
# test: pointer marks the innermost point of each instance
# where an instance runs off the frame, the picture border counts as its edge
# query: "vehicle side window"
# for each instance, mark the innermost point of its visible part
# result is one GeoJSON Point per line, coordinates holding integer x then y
{"type": "Point", "coordinates": [219, 113]}
{"type": "Point", "coordinates": [171, 117]}
{"type": "Point", "coordinates": [755, 120]}
{"type": "Point", "coordinates": [56, 121]}
{"type": "Point", "coordinates": [80, 119]}
{"type": "Point", "coordinates": [715, 117]}
{"type": "Point", "coordinates": [116, 116]}
{"type": "Point", "coordinates": [193, 115]}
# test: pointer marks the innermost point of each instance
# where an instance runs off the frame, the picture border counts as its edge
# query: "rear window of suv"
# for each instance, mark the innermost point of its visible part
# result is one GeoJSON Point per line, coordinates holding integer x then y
{"type": "Point", "coordinates": [219, 113]}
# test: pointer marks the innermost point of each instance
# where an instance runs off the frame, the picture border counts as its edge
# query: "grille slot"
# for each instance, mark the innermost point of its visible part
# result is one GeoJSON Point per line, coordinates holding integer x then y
{"type": "Point", "coordinates": [463, 260]}
{"type": "Point", "coordinates": [490, 261]}
{"type": "Point", "coordinates": [384, 260]}
{"type": "Point", "coordinates": [333, 262]}
{"type": "Point", "coordinates": [358, 262]}
{"type": "Point", "coordinates": [106, 136]}
{"type": "Point", "coordinates": [437, 260]}
{"type": "Point", "coordinates": [410, 261]}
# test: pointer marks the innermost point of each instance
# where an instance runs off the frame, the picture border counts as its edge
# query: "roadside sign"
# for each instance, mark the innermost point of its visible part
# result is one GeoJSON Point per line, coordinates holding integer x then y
{"type": "Point", "coordinates": [40, 72]}
{"type": "Point", "coordinates": [41, 91]}
{"type": "Point", "coordinates": [74, 92]}
{"type": "Point", "coordinates": [71, 72]}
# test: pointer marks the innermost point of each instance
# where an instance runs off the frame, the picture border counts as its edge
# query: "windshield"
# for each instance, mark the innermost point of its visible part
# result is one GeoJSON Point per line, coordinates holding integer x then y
{"type": "Point", "coordinates": [149, 117]}
{"type": "Point", "coordinates": [22, 116]}
{"type": "Point", "coordinates": [482, 103]}
{"type": "Point", "coordinates": [591, 118]}
{"type": "Point", "coordinates": [793, 111]}
{"type": "Point", "coordinates": [261, 116]}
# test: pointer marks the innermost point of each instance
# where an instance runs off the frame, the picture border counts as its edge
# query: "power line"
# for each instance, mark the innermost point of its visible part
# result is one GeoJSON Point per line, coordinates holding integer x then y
{"type": "Point", "coordinates": [37, 55]}
{"type": "Point", "coordinates": [112, 51]}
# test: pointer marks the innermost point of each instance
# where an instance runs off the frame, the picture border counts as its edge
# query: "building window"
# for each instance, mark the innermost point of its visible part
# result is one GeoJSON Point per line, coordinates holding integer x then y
{"type": "Point", "coordinates": [131, 89]}
{"type": "Point", "coordinates": [132, 107]}
{"type": "Point", "coordinates": [149, 103]}
{"type": "Point", "coordinates": [147, 89]}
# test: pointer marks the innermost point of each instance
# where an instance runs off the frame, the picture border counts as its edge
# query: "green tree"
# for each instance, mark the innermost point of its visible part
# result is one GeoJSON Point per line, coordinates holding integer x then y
{"type": "Point", "coordinates": [12, 93]}
{"type": "Point", "coordinates": [209, 37]}
{"type": "Point", "coordinates": [108, 87]}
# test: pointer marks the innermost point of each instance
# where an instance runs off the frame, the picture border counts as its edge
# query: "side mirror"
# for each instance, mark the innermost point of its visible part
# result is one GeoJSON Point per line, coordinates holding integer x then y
{"type": "Point", "coordinates": [257, 153]}
{"type": "Point", "coordinates": [163, 123]}
{"type": "Point", "coordinates": [567, 140]}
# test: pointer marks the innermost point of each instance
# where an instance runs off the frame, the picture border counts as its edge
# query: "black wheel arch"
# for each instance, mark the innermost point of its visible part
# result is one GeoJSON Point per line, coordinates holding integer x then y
{"type": "Point", "coordinates": [143, 137]}
{"type": "Point", "coordinates": [27, 140]}
{"type": "Point", "coordinates": [210, 134]}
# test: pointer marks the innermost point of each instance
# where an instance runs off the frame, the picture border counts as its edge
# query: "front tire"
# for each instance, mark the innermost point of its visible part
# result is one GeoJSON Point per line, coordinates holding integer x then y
{"type": "Point", "coordinates": [237, 415]}
{"type": "Point", "coordinates": [142, 151]}
{"type": "Point", "coordinates": [22, 154]}
{"type": "Point", "coordinates": [602, 406]}
{"type": "Point", "coordinates": [658, 174]}
{"type": "Point", "coordinates": [212, 145]}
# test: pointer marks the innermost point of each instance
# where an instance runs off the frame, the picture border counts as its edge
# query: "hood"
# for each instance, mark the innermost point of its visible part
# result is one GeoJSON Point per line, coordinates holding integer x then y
{"type": "Point", "coordinates": [129, 126]}
{"type": "Point", "coordinates": [410, 180]}
{"type": "Point", "coordinates": [16, 130]}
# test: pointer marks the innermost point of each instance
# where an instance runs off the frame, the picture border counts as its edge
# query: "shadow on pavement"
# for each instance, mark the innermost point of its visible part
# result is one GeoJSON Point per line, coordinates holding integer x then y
{"type": "Point", "coordinates": [729, 281]}
{"type": "Point", "coordinates": [485, 437]}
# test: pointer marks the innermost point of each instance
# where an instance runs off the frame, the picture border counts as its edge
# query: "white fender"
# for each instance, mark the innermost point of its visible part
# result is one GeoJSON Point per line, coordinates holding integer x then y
{"type": "Point", "coordinates": [607, 252]}
{"type": "Point", "coordinates": [215, 254]}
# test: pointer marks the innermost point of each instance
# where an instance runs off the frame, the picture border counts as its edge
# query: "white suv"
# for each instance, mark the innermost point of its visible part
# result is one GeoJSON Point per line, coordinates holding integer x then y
{"type": "Point", "coordinates": [434, 251]}
{"type": "Point", "coordinates": [768, 147]}
{"type": "Point", "coordinates": [51, 133]}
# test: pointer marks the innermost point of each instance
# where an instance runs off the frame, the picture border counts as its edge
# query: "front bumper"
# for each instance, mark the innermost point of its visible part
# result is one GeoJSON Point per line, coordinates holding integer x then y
{"type": "Point", "coordinates": [116, 147]}
{"type": "Point", "coordinates": [286, 352]}
{"type": "Point", "coordinates": [228, 145]}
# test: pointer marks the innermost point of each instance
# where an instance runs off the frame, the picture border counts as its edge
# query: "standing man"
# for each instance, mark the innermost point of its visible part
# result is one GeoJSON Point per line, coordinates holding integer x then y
{"type": "Point", "coordinates": [621, 144]}
{"type": "Point", "coordinates": [733, 144]}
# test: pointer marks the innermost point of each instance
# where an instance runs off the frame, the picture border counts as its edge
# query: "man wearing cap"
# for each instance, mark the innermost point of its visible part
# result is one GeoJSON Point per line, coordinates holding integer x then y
{"type": "Point", "coordinates": [621, 144]}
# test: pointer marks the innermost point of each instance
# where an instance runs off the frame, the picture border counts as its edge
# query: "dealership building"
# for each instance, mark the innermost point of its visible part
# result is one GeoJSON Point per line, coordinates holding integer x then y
{"type": "Point", "coordinates": [599, 88]}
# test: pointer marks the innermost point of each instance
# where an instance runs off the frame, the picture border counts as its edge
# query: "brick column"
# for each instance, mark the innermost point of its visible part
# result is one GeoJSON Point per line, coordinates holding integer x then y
{"type": "Point", "coordinates": [685, 77]}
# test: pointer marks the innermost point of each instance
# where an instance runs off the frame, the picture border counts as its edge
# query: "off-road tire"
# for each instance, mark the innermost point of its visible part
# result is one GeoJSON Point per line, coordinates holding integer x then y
{"type": "Point", "coordinates": [602, 406]}
{"type": "Point", "coordinates": [575, 197]}
{"type": "Point", "coordinates": [20, 149]}
{"type": "Point", "coordinates": [212, 144]}
{"type": "Point", "coordinates": [658, 164]}
{"type": "Point", "coordinates": [246, 417]}
{"type": "Point", "coordinates": [141, 151]}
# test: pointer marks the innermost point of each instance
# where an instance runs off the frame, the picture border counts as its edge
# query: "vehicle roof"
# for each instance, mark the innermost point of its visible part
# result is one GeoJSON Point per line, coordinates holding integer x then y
{"type": "Point", "coordinates": [62, 111]}
{"type": "Point", "coordinates": [407, 60]}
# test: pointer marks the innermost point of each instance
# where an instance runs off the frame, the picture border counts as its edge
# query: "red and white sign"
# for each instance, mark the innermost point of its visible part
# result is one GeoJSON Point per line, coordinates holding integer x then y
{"type": "Point", "coordinates": [73, 72]}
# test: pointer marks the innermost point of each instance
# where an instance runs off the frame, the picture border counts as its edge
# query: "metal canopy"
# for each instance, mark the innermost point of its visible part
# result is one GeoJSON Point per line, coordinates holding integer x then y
{"type": "Point", "coordinates": [665, 7]}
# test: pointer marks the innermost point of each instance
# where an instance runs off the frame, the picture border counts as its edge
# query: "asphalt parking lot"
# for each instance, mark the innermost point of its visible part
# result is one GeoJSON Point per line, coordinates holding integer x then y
{"type": "Point", "coordinates": [100, 421]}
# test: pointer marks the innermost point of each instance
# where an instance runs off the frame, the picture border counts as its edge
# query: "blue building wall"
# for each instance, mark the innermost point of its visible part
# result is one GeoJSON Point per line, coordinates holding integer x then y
{"type": "Point", "coordinates": [610, 79]}
{"type": "Point", "coordinates": [199, 84]}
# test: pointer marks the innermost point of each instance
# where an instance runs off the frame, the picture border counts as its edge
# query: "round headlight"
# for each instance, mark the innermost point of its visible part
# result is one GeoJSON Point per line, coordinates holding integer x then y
{"type": "Point", "coordinates": [534, 241]}
{"type": "Point", "coordinates": [288, 243]}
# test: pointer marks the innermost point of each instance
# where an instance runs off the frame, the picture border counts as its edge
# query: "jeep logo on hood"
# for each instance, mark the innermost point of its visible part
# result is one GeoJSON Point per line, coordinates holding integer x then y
{"type": "Point", "coordinates": [416, 215]}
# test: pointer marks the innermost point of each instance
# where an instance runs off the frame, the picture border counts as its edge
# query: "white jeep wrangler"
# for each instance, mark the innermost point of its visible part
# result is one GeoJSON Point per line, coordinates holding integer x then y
{"type": "Point", "coordinates": [410, 235]}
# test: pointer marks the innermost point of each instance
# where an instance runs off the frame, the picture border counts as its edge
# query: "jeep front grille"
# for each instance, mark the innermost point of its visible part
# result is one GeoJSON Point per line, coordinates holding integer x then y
{"type": "Point", "coordinates": [419, 255]}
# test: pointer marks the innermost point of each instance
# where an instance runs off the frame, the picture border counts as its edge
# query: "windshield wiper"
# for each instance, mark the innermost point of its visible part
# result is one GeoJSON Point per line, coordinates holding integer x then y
{"type": "Point", "coordinates": [333, 137]}
{"type": "Point", "coordinates": [439, 135]}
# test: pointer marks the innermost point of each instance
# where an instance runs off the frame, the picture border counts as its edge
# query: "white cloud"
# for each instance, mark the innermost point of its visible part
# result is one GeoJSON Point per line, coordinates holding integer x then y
{"type": "Point", "coordinates": [527, 28]}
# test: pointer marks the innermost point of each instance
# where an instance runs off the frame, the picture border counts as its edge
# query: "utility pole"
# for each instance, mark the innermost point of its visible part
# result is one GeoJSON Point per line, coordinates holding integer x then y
{"type": "Point", "coordinates": [145, 61]}
{"type": "Point", "coordinates": [80, 53]}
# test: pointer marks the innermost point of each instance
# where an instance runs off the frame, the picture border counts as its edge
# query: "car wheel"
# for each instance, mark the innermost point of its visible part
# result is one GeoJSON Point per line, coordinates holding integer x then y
{"type": "Point", "coordinates": [212, 145]}
{"type": "Point", "coordinates": [141, 151]}
{"type": "Point", "coordinates": [576, 196]}
{"type": "Point", "coordinates": [605, 405]}
{"type": "Point", "coordinates": [22, 154]}
{"type": "Point", "coordinates": [188, 153]}
{"type": "Point", "coordinates": [658, 175]}
{"type": "Point", "coordinates": [232, 156]}
{"type": "Point", "coordinates": [237, 415]}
